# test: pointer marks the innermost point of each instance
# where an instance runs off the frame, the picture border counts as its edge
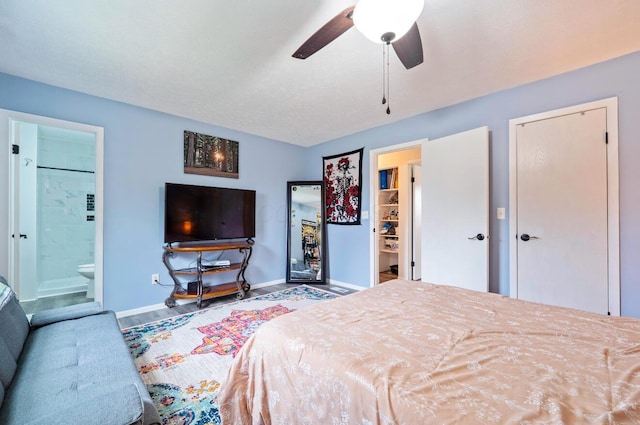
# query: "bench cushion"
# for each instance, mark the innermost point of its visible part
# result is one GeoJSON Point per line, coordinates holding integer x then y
{"type": "Point", "coordinates": [122, 406]}
{"type": "Point", "coordinates": [71, 363]}
{"type": "Point", "coordinates": [76, 311]}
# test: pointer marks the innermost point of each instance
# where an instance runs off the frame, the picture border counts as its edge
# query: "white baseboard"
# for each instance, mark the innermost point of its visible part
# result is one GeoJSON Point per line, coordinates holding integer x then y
{"type": "Point", "coordinates": [346, 285]}
{"type": "Point", "coordinates": [265, 284]}
{"type": "Point", "coordinates": [154, 307]}
{"type": "Point", "coordinates": [139, 310]}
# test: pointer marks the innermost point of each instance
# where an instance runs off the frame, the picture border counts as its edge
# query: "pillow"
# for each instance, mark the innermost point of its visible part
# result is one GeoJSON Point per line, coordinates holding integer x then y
{"type": "Point", "coordinates": [14, 326]}
{"type": "Point", "coordinates": [5, 292]}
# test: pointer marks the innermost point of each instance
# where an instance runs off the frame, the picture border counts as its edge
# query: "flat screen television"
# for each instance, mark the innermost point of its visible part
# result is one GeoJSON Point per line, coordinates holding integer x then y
{"type": "Point", "coordinates": [203, 213]}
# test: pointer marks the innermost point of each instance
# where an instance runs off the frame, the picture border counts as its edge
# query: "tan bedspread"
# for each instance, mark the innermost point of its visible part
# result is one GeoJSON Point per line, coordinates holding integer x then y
{"type": "Point", "coordinates": [415, 353]}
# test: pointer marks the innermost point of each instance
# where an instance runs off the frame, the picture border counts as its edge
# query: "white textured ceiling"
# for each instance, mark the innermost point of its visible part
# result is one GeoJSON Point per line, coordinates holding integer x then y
{"type": "Point", "coordinates": [229, 63]}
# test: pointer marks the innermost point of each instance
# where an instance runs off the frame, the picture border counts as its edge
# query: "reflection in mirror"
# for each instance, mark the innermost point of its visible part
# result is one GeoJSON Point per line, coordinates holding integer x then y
{"type": "Point", "coordinates": [305, 232]}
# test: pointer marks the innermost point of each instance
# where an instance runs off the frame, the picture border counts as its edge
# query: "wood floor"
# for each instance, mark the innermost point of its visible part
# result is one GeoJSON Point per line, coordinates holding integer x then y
{"type": "Point", "coordinates": [163, 313]}
{"type": "Point", "coordinates": [386, 276]}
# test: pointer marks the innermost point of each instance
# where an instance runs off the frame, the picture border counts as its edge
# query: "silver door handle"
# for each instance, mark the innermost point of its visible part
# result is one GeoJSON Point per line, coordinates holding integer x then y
{"type": "Point", "coordinates": [479, 237]}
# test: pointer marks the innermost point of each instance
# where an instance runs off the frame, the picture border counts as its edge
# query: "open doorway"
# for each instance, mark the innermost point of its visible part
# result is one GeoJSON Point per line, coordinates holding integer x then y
{"type": "Point", "coordinates": [55, 211]}
{"type": "Point", "coordinates": [454, 210]}
{"type": "Point", "coordinates": [395, 205]}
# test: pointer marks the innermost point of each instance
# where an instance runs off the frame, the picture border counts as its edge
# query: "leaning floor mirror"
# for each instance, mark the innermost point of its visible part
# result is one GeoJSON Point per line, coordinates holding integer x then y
{"type": "Point", "coordinates": [306, 232]}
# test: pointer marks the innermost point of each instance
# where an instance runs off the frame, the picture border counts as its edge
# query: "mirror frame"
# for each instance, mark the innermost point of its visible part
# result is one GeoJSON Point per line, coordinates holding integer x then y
{"type": "Point", "coordinates": [322, 229]}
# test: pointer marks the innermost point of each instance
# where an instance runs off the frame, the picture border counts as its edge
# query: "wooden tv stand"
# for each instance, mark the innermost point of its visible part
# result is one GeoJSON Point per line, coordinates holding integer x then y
{"type": "Point", "coordinates": [192, 276]}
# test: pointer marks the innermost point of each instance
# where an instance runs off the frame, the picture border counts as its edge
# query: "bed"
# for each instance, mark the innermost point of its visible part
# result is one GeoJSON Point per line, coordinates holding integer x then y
{"type": "Point", "coordinates": [416, 353]}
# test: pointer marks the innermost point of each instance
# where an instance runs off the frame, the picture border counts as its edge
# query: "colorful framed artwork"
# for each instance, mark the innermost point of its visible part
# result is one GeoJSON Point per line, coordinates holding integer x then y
{"type": "Point", "coordinates": [343, 187]}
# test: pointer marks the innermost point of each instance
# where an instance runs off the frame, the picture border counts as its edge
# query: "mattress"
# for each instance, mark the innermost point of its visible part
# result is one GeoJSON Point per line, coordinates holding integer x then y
{"type": "Point", "coordinates": [417, 353]}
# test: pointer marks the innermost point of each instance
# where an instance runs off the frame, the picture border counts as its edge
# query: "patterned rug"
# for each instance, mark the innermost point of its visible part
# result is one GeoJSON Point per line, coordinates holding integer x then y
{"type": "Point", "coordinates": [184, 359]}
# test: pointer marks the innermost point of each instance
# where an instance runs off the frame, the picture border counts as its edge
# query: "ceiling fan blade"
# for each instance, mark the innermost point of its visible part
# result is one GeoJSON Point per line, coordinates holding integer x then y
{"type": "Point", "coordinates": [409, 48]}
{"type": "Point", "coordinates": [325, 35]}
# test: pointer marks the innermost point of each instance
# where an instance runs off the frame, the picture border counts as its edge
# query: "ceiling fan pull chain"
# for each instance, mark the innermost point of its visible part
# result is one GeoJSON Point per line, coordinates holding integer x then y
{"type": "Point", "coordinates": [384, 88]}
{"type": "Point", "coordinates": [388, 90]}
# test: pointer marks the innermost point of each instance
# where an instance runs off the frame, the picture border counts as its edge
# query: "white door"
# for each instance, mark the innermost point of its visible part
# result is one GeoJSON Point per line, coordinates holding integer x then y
{"type": "Point", "coordinates": [416, 221]}
{"type": "Point", "coordinates": [562, 211]}
{"type": "Point", "coordinates": [455, 210]}
{"type": "Point", "coordinates": [23, 229]}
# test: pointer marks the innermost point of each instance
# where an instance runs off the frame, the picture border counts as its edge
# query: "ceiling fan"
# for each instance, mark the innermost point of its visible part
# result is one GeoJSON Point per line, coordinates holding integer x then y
{"type": "Point", "coordinates": [382, 21]}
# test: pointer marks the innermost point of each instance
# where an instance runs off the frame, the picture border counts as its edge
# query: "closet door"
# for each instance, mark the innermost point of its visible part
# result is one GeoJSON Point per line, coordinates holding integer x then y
{"type": "Point", "coordinates": [562, 211]}
{"type": "Point", "coordinates": [455, 210]}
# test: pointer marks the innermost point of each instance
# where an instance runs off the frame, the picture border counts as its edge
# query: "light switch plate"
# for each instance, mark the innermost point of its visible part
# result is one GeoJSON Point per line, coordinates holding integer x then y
{"type": "Point", "coordinates": [364, 215]}
{"type": "Point", "coordinates": [501, 214]}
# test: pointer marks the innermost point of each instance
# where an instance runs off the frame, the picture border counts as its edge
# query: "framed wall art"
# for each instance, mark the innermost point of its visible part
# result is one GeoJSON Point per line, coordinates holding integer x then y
{"type": "Point", "coordinates": [343, 187]}
{"type": "Point", "coordinates": [210, 155]}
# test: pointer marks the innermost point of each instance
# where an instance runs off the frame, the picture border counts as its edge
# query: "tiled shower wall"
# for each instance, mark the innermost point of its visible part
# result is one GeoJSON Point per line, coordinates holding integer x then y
{"type": "Point", "coordinates": [65, 229]}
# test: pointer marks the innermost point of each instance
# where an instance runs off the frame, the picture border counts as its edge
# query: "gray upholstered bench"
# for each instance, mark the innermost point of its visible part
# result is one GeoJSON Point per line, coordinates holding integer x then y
{"type": "Point", "coordinates": [68, 366]}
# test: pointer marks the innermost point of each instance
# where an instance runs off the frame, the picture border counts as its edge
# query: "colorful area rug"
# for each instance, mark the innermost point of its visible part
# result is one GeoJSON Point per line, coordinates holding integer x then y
{"type": "Point", "coordinates": [183, 360]}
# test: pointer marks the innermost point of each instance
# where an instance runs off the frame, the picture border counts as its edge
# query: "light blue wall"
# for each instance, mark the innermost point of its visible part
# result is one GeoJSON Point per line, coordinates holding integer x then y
{"type": "Point", "coordinates": [618, 77]}
{"type": "Point", "coordinates": [144, 149]}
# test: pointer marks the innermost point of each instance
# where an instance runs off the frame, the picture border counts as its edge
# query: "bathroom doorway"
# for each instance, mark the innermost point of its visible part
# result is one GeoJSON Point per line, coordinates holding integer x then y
{"type": "Point", "coordinates": [55, 214]}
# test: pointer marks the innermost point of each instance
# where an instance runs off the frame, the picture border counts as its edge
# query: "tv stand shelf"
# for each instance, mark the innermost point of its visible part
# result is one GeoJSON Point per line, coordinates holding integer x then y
{"type": "Point", "coordinates": [197, 289]}
{"type": "Point", "coordinates": [208, 269]}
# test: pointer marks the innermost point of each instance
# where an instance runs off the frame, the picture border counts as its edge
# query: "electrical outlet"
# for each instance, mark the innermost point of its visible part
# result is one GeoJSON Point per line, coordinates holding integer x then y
{"type": "Point", "coordinates": [155, 279]}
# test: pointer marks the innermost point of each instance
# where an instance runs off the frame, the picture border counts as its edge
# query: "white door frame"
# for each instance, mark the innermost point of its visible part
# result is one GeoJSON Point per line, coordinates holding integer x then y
{"type": "Point", "coordinates": [613, 194]}
{"type": "Point", "coordinates": [7, 117]}
{"type": "Point", "coordinates": [415, 240]}
{"type": "Point", "coordinates": [373, 202]}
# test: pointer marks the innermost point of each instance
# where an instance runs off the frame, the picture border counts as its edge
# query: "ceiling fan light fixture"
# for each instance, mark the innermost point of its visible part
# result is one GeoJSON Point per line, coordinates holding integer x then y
{"type": "Point", "coordinates": [383, 21]}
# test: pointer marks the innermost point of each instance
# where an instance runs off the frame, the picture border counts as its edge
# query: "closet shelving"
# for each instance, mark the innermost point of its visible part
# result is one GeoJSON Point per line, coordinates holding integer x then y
{"type": "Point", "coordinates": [388, 220]}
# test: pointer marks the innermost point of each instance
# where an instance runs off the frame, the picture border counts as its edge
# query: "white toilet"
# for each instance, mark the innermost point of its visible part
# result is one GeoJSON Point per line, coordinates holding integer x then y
{"type": "Point", "coordinates": [87, 270]}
